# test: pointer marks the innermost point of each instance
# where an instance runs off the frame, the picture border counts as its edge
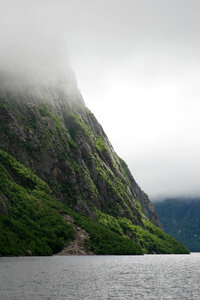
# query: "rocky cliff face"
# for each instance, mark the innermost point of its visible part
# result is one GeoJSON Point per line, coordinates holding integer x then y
{"type": "Point", "coordinates": [51, 131]}
{"type": "Point", "coordinates": [56, 165]}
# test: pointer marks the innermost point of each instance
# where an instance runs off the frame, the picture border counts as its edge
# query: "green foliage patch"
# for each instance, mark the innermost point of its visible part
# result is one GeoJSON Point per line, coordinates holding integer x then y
{"type": "Point", "coordinates": [150, 238]}
{"type": "Point", "coordinates": [46, 112]}
{"type": "Point", "coordinates": [85, 128]}
{"type": "Point", "coordinates": [34, 222]}
{"type": "Point", "coordinates": [103, 240]}
{"type": "Point", "coordinates": [100, 144]}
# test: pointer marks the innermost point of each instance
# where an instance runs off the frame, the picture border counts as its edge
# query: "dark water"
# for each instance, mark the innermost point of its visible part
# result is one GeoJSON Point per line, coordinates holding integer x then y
{"type": "Point", "coordinates": [101, 277]}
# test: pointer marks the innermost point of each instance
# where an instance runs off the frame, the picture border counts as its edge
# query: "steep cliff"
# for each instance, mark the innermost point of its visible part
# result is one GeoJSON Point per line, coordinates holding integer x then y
{"type": "Point", "coordinates": [49, 130]}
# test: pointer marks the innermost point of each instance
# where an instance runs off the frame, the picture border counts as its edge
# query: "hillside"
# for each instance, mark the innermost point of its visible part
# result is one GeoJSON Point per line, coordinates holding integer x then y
{"type": "Point", "coordinates": [180, 218]}
{"type": "Point", "coordinates": [57, 161]}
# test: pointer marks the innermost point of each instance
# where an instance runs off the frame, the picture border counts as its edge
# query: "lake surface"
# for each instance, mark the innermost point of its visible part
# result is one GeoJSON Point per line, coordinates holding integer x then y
{"type": "Point", "coordinates": [101, 277]}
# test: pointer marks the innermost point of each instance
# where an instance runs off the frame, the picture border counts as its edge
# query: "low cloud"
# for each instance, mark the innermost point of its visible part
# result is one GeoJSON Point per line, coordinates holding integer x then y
{"type": "Point", "coordinates": [138, 67]}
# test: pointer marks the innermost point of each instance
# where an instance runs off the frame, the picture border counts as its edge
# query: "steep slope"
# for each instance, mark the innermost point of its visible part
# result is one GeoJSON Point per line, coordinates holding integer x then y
{"type": "Point", "coordinates": [33, 221]}
{"type": "Point", "coordinates": [48, 128]}
{"type": "Point", "coordinates": [56, 136]}
{"type": "Point", "coordinates": [180, 218]}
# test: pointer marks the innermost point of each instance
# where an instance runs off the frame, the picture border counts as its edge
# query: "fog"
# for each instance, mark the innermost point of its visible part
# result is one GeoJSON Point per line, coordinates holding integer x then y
{"type": "Point", "coordinates": [137, 64]}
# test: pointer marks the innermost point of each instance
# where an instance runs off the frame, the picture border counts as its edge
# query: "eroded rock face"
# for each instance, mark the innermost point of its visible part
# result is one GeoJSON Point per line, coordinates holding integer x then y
{"type": "Point", "coordinates": [4, 205]}
{"type": "Point", "coordinates": [56, 136]}
{"type": "Point", "coordinates": [78, 245]}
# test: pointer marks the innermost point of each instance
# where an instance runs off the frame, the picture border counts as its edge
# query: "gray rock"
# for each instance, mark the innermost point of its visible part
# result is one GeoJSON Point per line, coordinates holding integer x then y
{"type": "Point", "coordinates": [29, 252]}
{"type": "Point", "coordinates": [54, 134]}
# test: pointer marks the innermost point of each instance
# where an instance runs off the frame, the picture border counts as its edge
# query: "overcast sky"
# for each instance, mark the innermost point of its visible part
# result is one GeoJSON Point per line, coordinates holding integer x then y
{"type": "Point", "coordinates": [137, 63]}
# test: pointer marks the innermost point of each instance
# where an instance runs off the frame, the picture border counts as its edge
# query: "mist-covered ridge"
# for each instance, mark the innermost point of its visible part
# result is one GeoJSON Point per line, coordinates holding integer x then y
{"type": "Point", "coordinates": [57, 138]}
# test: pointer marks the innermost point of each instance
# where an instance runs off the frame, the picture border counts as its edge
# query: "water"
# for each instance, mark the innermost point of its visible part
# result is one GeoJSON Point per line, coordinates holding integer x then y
{"type": "Point", "coordinates": [100, 277]}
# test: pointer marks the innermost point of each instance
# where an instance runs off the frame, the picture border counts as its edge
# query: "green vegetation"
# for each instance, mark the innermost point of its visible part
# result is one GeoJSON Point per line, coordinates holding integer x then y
{"type": "Point", "coordinates": [118, 186]}
{"type": "Point", "coordinates": [125, 168]}
{"type": "Point", "coordinates": [85, 128]}
{"type": "Point", "coordinates": [43, 110]}
{"type": "Point", "coordinates": [72, 144]}
{"type": "Point", "coordinates": [46, 112]}
{"type": "Point", "coordinates": [3, 105]}
{"type": "Point", "coordinates": [100, 144]}
{"type": "Point", "coordinates": [150, 238]}
{"type": "Point", "coordinates": [80, 170]}
{"type": "Point", "coordinates": [33, 222]}
{"type": "Point", "coordinates": [103, 240]}
{"type": "Point", "coordinates": [76, 126]}
{"type": "Point", "coordinates": [28, 122]}
{"type": "Point", "coordinates": [109, 222]}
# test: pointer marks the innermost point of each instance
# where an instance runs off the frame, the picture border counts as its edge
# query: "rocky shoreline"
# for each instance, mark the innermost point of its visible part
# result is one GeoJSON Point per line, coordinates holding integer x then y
{"type": "Point", "coordinates": [77, 245]}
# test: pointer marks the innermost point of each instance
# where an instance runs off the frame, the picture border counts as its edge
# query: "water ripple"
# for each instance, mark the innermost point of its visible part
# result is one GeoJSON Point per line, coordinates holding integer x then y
{"type": "Point", "coordinates": [148, 277]}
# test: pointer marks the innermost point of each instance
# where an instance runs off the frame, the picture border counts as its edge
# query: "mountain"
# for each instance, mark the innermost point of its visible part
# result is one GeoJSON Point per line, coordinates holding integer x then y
{"type": "Point", "coordinates": [60, 174]}
{"type": "Point", "coordinates": [180, 218]}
